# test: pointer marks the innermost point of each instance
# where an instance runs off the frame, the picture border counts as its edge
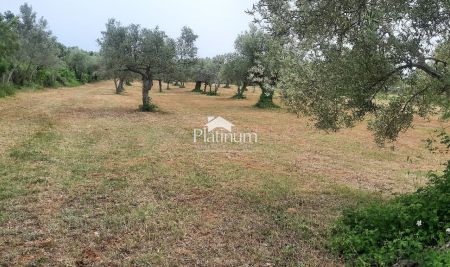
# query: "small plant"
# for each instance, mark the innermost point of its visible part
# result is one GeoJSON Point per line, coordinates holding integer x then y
{"type": "Point", "coordinates": [148, 108]}
{"type": "Point", "coordinates": [266, 102]}
{"type": "Point", "coordinates": [239, 96]}
{"type": "Point", "coordinates": [7, 91]}
{"type": "Point", "coordinates": [411, 228]}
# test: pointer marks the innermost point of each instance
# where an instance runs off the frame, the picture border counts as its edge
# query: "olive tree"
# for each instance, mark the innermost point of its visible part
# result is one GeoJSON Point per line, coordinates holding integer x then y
{"type": "Point", "coordinates": [145, 52]}
{"type": "Point", "coordinates": [186, 53]}
{"type": "Point", "coordinates": [113, 53]}
{"type": "Point", "coordinates": [261, 66]}
{"type": "Point", "coordinates": [345, 54]}
{"type": "Point", "coordinates": [217, 64]}
{"type": "Point", "coordinates": [235, 70]}
{"type": "Point", "coordinates": [203, 72]}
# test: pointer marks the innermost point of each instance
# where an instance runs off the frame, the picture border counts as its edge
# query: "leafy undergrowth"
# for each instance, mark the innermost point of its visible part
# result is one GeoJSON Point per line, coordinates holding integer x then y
{"type": "Point", "coordinates": [414, 229]}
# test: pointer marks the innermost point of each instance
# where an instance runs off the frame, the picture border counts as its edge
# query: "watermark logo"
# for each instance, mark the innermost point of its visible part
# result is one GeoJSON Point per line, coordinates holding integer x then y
{"type": "Point", "coordinates": [219, 130]}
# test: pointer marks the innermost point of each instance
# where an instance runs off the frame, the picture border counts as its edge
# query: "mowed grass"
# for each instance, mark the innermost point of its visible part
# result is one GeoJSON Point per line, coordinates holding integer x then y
{"type": "Point", "coordinates": [86, 180]}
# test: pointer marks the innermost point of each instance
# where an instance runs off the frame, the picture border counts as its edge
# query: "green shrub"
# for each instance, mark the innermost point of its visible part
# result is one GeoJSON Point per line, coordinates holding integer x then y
{"type": "Point", "coordinates": [6, 90]}
{"type": "Point", "coordinates": [414, 227]}
{"type": "Point", "coordinates": [84, 78]}
{"type": "Point", "coordinates": [148, 108]}
{"type": "Point", "coordinates": [46, 78]}
{"type": "Point", "coordinates": [67, 78]}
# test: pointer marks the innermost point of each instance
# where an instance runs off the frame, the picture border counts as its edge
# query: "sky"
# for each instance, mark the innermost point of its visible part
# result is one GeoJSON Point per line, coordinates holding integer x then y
{"type": "Point", "coordinates": [79, 22]}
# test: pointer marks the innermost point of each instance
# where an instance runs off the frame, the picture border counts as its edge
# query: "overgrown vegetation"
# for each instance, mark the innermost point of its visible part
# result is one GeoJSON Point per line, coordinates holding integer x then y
{"type": "Point", "coordinates": [412, 228]}
{"type": "Point", "coordinates": [31, 57]}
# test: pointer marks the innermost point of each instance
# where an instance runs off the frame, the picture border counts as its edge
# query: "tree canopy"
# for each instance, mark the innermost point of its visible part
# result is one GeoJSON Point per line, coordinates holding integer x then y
{"type": "Point", "coordinates": [343, 55]}
{"type": "Point", "coordinates": [146, 52]}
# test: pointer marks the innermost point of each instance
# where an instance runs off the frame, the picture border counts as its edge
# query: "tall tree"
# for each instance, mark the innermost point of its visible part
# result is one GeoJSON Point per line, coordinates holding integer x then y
{"type": "Point", "coordinates": [235, 70]}
{"type": "Point", "coordinates": [254, 47]}
{"type": "Point", "coordinates": [344, 54]}
{"type": "Point", "coordinates": [113, 53]}
{"type": "Point", "coordinates": [186, 53]}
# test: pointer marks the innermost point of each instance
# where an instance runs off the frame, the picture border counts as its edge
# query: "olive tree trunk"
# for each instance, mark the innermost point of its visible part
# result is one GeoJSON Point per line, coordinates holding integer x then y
{"type": "Point", "coordinates": [198, 86]}
{"type": "Point", "coordinates": [160, 86]}
{"type": "Point", "coordinates": [266, 97]}
{"type": "Point", "coordinates": [240, 91]}
{"type": "Point", "coordinates": [118, 82]}
{"type": "Point", "coordinates": [147, 83]}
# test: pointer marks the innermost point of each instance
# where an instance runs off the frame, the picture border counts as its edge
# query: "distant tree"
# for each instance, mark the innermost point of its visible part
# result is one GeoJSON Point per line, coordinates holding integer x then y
{"type": "Point", "coordinates": [186, 53]}
{"type": "Point", "coordinates": [235, 70]}
{"type": "Point", "coordinates": [79, 62]}
{"type": "Point", "coordinates": [166, 65]}
{"type": "Point", "coordinates": [142, 51]}
{"type": "Point", "coordinates": [345, 54]}
{"type": "Point", "coordinates": [203, 73]}
{"type": "Point", "coordinates": [113, 53]}
{"type": "Point", "coordinates": [260, 53]}
{"type": "Point", "coordinates": [217, 65]}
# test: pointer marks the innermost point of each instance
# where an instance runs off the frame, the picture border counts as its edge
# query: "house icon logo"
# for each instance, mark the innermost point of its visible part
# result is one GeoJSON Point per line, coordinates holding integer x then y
{"type": "Point", "coordinates": [217, 123]}
{"type": "Point", "coordinates": [219, 130]}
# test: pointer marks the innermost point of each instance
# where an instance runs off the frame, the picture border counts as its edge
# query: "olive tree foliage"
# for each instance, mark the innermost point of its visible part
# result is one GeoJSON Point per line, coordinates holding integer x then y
{"type": "Point", "coordinates": [113, 53]}
{"type": "Point", "coordinates": [344, 54]}
{"type": "Point", "coordinates": [261, 63]}
{"type": "Point", "coordinates": [235, 70]}
{"type": "Point", "coordinates": [203, 73]}
{"type": "Point", "coordinates": [217, 65]}
{"type": "Point", "coordinates": [84, 64]}
{"type": "Point", "coordinates": [37, 47]}
{"type": "Point", "coordinates": [145, 52]}
{"type": "Point", "coordinates": [186, 54]}
{"type": "Point", "coordinates": [167, 66]}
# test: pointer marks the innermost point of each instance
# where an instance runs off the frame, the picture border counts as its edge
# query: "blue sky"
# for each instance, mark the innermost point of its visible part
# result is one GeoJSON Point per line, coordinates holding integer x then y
{"type": "Point", "coordinates": [79, 22]}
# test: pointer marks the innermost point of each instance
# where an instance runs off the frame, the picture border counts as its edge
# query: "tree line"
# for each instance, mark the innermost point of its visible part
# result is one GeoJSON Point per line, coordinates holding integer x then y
{"type": "Point", "coordinates": [30, 56]}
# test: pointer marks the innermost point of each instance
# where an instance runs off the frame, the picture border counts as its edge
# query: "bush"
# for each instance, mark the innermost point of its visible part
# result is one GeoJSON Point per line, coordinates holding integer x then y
{"type": "Point", "coordinates": [148, 108]}
{"type": "Point", "coordinates": [85, 78]}
{"type": "Point", "coordinates": [6, 90]}
{"type": "Point", "coordinates": [46, 78]}
{"type": "Point", "coordinates": [413, 228]}
{"type": "Point", "coordinates": [67, 78]}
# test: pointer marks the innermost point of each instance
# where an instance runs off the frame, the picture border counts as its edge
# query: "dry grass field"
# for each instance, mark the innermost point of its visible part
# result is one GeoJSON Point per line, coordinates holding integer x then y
{"type": "Point", "coordinates": [86, 180]}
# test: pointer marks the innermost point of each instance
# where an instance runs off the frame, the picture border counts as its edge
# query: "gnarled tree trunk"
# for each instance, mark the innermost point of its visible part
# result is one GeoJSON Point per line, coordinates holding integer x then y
{"type": "Point", "coordinates": [147, 83]}
{"type": "Point", "coordinates": [266, 98]}
{"type": "Point", "coordinates": [240, 91]}
{"type": "Point", "coordinates": [118, 82]}
{"type": "Point", "coordinates": [198, 86]}
{"type": "Point", "coordinates": [160, 86]}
